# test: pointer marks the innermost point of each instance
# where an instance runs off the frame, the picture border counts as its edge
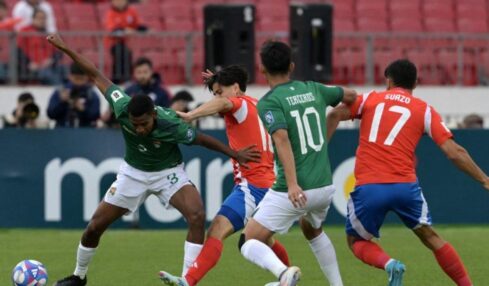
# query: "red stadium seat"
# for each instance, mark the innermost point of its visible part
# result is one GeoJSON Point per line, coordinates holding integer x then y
{"type": "Point", "coordinates": [272, 11]}
{"type": "Point", "coordinates": [472, 25]}
{"type": "Point", "coordinates": [177, 25]}
{"type": "Point", "coordinates": [425, 61]}
{"type": "Point", "coordinates": [84, 11]}
{"type": "Point", "coordinates": [343, 25]}
{"type": "Point", "coordinates": [148, 12]}
{"type": "Point", "coordinates": [79, 24]}
{"type": "Point", "coordinates": [176, 10]}
{"type": "Point", "coordinates": [382, 58]}
{"type": "Point", "coordinates": [372, 25]}
{"type": "Point", "coordinates": [442, 10]}
{"type": "Point", "coordinates": [468, 10]}
{"type": "Point", "coordinates": [409, 24]}
{"type": "Point", "coordinates": [439, 25]}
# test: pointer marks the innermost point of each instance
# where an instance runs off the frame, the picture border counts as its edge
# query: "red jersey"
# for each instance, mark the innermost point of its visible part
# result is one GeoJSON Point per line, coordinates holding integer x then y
{"type": "Point", "coordinates": [244, 128]}
{"type": "Point", "coordinates": [36, 48]}
{"type": "Point", "coordinates": [120, 20]}
{"type": "Point", "coordinates": [392, 123]}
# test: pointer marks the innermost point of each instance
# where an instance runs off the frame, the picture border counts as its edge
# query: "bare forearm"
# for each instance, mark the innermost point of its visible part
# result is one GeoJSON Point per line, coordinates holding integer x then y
{"type": "Point", "coordinates": [210, 108]}
{"type": "Point", "coordinates": [214, 144]}
{"type": "Point", "coordinates": [464, 162]}
{"type": "Point", "coordinates": [331, 125]}
{"type": "Point", "coordinates": [88, 67]}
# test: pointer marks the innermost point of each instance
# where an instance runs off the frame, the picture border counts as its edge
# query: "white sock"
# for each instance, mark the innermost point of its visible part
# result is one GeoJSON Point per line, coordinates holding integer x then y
{"type": "Point", "coordinates": [190, 253]}
{"type": "Point", "coordinates": [83, 257]}
{"type": "Point", "coordinates": [263, 256]}
{"type": "Point", "coordinates": [326, 256]}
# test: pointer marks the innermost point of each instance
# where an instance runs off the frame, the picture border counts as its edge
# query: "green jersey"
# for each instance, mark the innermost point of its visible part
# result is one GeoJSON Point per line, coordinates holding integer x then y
{"type": "Point", "coordinates": [159, 150]}
{"type": "Point", "coordinates": [300, 107]}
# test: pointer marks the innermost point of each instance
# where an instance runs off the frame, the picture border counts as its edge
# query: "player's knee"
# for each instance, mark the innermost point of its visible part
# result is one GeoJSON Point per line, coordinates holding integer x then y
{"type": "Point", "coordinates": [196, 217]}
{"type": "Point", "coordinates": [242, 240]}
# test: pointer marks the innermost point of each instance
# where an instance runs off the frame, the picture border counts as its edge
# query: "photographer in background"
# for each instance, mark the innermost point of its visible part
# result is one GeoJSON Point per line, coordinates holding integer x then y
{"type": "Point", "coordinates": [24, 115]}
{"type": "Point", "coordinates": [76, 104]}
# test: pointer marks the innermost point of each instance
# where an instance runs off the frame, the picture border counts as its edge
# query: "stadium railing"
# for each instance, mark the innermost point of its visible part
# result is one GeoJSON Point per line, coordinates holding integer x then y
{"type": "Point", "coordinates": [358, 58]}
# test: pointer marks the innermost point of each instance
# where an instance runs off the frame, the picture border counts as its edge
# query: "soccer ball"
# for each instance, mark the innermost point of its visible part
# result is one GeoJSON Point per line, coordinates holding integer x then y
{"type": "Point", "coordinates": [29, 273]}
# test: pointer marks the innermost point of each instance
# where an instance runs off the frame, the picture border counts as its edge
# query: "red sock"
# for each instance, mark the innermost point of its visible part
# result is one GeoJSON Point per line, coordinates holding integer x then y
{"type": "Point", "coordinates": [207, 259]}
{"type": "Point", "coordinates": [453, 266]}
{"type": "Point", "coordinates": [370, 253]}
{"type": "Point", "coordinates": [281, 253]}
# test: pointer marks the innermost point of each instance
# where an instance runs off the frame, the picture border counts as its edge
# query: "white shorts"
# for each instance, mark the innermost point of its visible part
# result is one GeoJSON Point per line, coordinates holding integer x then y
{"type": "Point", "coordinates": [277, 213]}
{"type": "Point", "coordinates": [133, 186]}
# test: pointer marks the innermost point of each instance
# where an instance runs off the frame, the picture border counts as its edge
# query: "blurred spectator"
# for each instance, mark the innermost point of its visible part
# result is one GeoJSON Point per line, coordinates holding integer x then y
{"type": "Point", "coordinates": [148, 82]}
{"type": "Point", "coordinates": [24, 9]}
{"type": "Point", "coordinates": [7, 23]}
{"type": "Point", "coordinates": [181, 100]}
{"type": "Point", "coordinates": [472, 121]}
{"type": "Point", "coordinates": [76, 104]}
{"type": "Point", "coordinates": [121, 20]}
{"type": "Point", "coordinates": [25, 114]}
{"type": "Point", "coordinates": [37, 59]}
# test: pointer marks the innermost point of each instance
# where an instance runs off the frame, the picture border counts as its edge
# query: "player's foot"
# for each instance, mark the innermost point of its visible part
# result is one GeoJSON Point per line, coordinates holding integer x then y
{"type": "Point", "coordinates": [290, 277]}
{"type": "Point", "coordinates": [273, 284]}
{"type": "Point", "coordinates": [395, 269]}
{"type": "Point", "coordinates": [171, 280]}
{"type": "Point", "coordinates": [72, 280]}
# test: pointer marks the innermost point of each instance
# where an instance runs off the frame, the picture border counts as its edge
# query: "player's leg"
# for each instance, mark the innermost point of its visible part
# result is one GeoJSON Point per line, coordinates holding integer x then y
{"type": "Point", "coordinates": [275, 214]}
{"type": "Point", "coordinates": [188, 202]}
{"type": "Point", "coordinates": [318, 204]}
{"type": "Point", "coordinates": [114, 205]}
{"type": "Point", "coordinates": [416, 216]}
{"type": "Point", "coordinates": [367, 208]}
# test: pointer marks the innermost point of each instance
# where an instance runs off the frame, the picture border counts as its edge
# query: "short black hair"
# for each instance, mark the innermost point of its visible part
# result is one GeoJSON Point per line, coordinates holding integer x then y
{"type": "Point", "coordinates": [403, 73]}
{"type": "Point", "coordinates": [140, 104]}
{"type": "Point", "coordinates": [76, 69]}
{"type": "Point", "coordinates": [182, 95]}
{"type": "Point", "coordinates": [3, 5]}
{"type": "Point", "coordinates": [276, 57]}
{"type": "Point", "coordinates": [25, 96]}
{"type": "Point", "coordinates": [143, 61]}
{"type": "Point", "coordinates": [228, 76]}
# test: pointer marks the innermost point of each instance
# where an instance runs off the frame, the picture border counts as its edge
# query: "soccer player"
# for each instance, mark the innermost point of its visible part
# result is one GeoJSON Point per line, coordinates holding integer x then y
{"type": "Point", "coordinates": [392, 123]}
{"type": "Point", "coordinates": [153, 165]}
{"type": "Point", "coordinates": [243, 128]}
{"type": "Point", "coordinates": [294, 113]}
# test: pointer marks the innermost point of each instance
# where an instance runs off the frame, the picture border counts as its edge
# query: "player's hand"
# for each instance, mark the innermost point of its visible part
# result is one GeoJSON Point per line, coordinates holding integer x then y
{"type": "Point", "coordinates": [248, 154]}
{"type": "Point", "coordinates": [297, 196]}
{"type": "Point", "coordinates": [55, 40]}
{"type": "Point", "coordinates": [185, 116]}
{"type": "Point", "coordinates": [207, 74]}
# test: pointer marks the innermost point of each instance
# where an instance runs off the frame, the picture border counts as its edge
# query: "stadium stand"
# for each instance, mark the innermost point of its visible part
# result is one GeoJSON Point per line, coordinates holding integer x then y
{"type": "Point", "coordinates": [424, 30]}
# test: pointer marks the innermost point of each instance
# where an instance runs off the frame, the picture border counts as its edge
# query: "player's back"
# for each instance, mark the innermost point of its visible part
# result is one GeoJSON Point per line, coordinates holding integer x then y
{"type": "Point", "coordinates": [392, 123]}
{"type": "Point", "coordinates": [244, 128]}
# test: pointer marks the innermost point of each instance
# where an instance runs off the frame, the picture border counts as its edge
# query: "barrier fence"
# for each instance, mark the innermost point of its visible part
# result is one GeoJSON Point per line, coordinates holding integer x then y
{"type": "Point", "coordinates": [358, 58]}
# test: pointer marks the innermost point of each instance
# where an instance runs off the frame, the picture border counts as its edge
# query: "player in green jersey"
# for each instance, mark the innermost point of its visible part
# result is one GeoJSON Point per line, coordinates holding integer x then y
{"type": "Point", "coordinates": [294, 113]}
{"type": "Point", "coordinates": [153, 165]}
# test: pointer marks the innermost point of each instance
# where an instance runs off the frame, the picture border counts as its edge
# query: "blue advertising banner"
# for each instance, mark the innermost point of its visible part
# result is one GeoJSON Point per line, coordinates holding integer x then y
{"type": "Point", "coordinates": [56, 178]}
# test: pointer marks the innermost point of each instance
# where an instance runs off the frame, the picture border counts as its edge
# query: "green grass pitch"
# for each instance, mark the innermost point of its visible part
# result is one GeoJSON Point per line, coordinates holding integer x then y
{"type": "Point", "coordinates": [128, 257]}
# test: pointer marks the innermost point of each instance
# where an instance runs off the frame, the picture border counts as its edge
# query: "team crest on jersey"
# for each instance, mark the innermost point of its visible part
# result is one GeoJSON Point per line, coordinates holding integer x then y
{"type": "Point", "coordinates": [116, 95]}
{"type": "Point", "coordinates": [112, 190]}
{"type": "Point", "coordinates": [269, 117]}
{"type": "Point", "coordinates": [157, 143]}
{"type": "Point", "coordinates": [190, 134]}
{"type": "Point", "coordinates": [142, 149]}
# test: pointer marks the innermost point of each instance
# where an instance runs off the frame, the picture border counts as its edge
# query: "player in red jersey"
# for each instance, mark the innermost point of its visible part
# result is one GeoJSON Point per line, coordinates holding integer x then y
{"type": "Point", "coordinates": [243, 127]}
{"type": "Point", "coordinates": [392, 123]}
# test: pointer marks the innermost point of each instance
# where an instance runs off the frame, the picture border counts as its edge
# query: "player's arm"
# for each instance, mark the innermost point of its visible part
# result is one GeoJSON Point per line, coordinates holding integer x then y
{"type": "Point", "coordinates": [216, 105]}
{"type": "Point", "coordinates": [88, 67]}
{"type": "Point", "coordinates": [462, 159]}
{"type": "Point", "coordinates": [286, 156]}
{"type": "Point", "coordinates": [339, 113]}
{"type": "Point", "coordinates": [349, 96]}
{"type": "Point", "coordinates": [243, 156]}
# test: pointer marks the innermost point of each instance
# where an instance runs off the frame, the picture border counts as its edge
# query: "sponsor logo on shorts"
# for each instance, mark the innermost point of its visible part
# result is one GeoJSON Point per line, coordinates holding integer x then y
{"type": "Point", "coordinates": [190, 134]}
{"type": "Point", "coordinates": [142, 149]}
{"type": "Point", "coordinates": [269, 117]}
{"type": "Point", "coordinates": [157, 144]}
{"type": "Point", "coordinates": [112, 190]}
{"type": "Point", "coordinates": [116, 95]}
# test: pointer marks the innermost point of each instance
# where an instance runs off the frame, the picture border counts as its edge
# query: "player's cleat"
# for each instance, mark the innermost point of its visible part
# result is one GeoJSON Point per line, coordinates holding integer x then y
{"type": "Point", "coordinates": [171, 280]}
{"type": "Point", "coordinates": [273, 284]}
{"type": "Point", "coordinates": [395, 269]}
{"type": "Point", "coordinates": [290, 277]}
{"type": "Point", "coordinates": [72, 280]}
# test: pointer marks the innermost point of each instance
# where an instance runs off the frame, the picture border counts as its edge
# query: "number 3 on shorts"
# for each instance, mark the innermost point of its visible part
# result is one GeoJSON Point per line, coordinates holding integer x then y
{"type": "Point", "coordinates": [172, 178]}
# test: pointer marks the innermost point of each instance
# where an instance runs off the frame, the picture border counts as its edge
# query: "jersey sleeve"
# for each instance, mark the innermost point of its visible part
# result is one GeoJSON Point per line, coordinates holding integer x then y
{"type": "Point", "coordinates": [117, 99]}
{"type": "Point", "coordinates": [355, 108]}
{"type": "Point", "coordinates": [271, 115]}
{"type": "Point", "coordinates": [435, 127]}
{"type": "Point", "coordinates": [174, 129]}
{"type": "Point", "coordinates": [239, 110]}
{"type": "Point", "coordinates": [331, 94]}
